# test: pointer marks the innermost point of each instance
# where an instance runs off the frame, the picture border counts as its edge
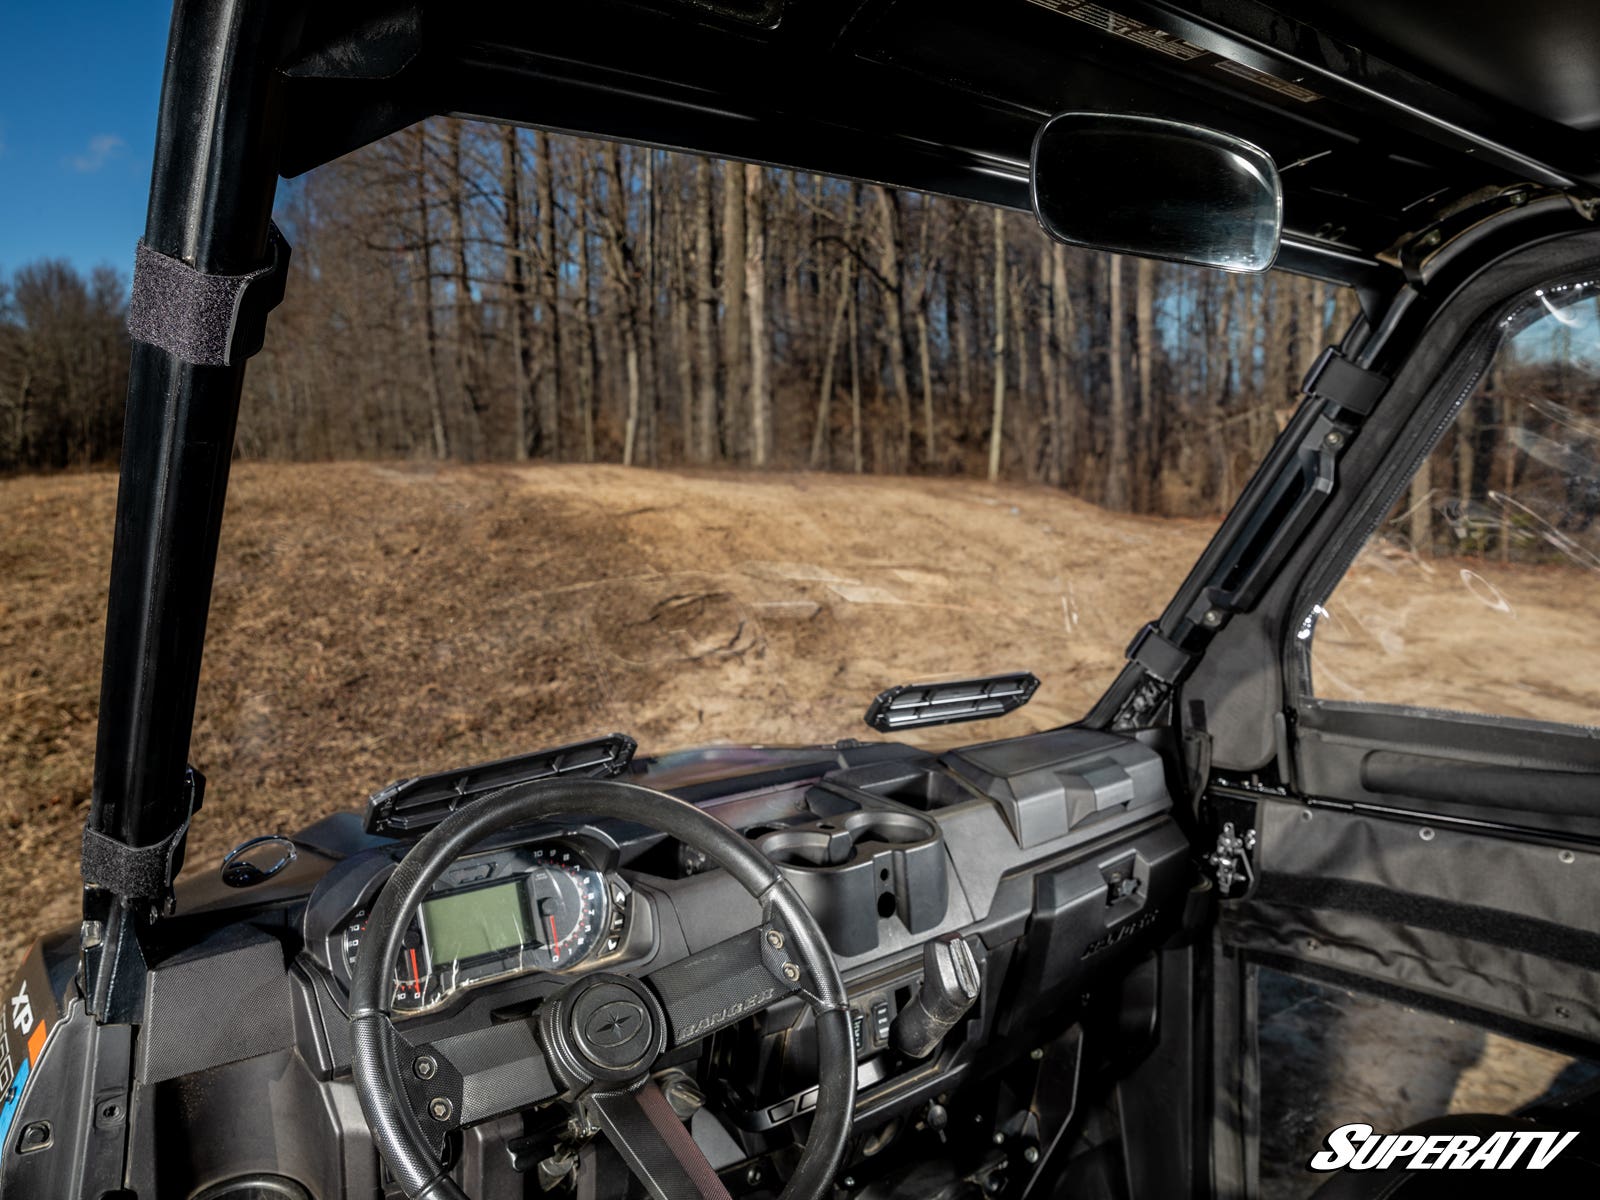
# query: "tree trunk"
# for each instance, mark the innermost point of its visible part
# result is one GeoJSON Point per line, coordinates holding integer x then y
{"type": "Point", "coordinates": [733, 285]}
{"type": "Point", "coordinates": [889, 254]}
{"type": "Point", "coordinates": [755, 289]}
{"type": "Point", "coordinates": [1067, 394]}
{"type": "Point", "coordinates": [1117, 465]}
{"type": "Point", "coordinates": [589, 362]}
{"type": "Point", "coordinates": [925, 370]}
{"type": "Point", "coordinates": [430, 332]}
{"type": "Point", "coordinates": [819, 435]}
{"type": "Point", "coordinates": [466, 325]}
{"type": "Point", "coordinates": [1422, 508]}
{"type": "Point", "coordinates": [855, 380]}
{"type": "Point", "coordinates": [1144, 332]}
{"type": "Point", "coordinates": [705, 314]}
{"type": "Point", "coordinates": [1048, 382]}
{"type": "Point", "coordinates": [550, 418]}
{"type": "Point", "coordinates": [526, 420]}
{"type": "Point", "coordinates": [997, 422]}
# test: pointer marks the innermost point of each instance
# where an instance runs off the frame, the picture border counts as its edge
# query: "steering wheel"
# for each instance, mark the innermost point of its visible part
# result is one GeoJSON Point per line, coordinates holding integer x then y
{"type": "Point", "coordinates": [595, 1041]}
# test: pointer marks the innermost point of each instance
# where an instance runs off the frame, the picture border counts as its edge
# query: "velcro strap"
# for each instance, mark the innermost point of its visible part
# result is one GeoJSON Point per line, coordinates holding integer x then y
{"type": "Point", "coordinates": [138, 872]}
{"type": "Point", "coordinates": [142, 872]}
{"type": "Point", "coordinates": [207, 320]}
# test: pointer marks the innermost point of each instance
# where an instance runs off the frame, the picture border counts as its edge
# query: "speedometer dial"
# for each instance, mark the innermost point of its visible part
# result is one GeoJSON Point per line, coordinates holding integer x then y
{"type": "Point", "coordinates": [568, 900]}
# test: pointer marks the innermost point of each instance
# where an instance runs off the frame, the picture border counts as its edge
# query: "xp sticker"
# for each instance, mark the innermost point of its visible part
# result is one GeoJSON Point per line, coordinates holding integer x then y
{"type": "Point", "coordinates": [1357, 1148]}
{"type": "Point", "coordinates": [28, 1012]}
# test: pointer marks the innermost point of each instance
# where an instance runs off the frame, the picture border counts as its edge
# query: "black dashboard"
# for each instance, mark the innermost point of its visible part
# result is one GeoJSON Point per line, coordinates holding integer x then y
{"type": "Point", "coordinates": [1055, 858]}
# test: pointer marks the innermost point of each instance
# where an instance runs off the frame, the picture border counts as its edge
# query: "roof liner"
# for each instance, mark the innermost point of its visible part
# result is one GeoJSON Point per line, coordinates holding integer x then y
{"type": "Point", "coordinates": [945, 95]}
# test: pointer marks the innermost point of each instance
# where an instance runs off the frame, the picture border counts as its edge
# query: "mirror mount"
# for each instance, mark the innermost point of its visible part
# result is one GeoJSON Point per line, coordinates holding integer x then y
{"type": "Point", "coordinates": [1157, 188]}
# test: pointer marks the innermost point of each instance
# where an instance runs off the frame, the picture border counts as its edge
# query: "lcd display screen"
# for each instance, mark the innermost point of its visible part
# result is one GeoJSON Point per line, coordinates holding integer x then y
{"type": "Point", "coordinates": [468, 924]}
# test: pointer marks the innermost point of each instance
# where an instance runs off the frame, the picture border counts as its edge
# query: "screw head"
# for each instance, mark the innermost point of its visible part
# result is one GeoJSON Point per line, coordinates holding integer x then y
{"type": "Point", "coordinates": [1030, 1155]}
{"type": "Point", "coordinates": [1036, 1053]}
{"type": "Point", "coordinates": [425, 1067]}
{"type": "Point", "coordinates": [999, 1138]}
{"type": "Point", "coordinates": [775, 939]}
{"type": "Point", "coordinates": [440, 1109]}
{"type": "Point", "coordinates": [1334, 438]}
{"type": "Point", "coordinates": [1425, 833]}
{"type": "Point", "coordinates": [753, 1176]}
{"type": "Point", "coordinates": [1212, 618]}
{"type": "Point", "coordinates": [791, 972]}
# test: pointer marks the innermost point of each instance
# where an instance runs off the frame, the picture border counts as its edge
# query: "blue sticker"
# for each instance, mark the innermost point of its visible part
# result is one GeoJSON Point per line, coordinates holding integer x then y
{"type": "Point", "coordinates": [13, 1098]}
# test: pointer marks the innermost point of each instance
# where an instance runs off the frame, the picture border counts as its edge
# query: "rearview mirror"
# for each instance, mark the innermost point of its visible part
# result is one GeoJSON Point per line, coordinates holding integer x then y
{"type": "Point", "coordinates": [1158, 189]}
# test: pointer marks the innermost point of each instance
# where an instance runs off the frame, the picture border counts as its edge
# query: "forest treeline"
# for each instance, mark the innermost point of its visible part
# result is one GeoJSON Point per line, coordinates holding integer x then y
{"type": "Point", "coordinates": [472, 292]}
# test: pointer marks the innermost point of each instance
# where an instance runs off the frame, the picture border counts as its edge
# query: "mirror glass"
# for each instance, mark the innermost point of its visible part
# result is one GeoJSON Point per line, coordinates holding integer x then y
{"type": "Point", "coordinates": [1157, 188]}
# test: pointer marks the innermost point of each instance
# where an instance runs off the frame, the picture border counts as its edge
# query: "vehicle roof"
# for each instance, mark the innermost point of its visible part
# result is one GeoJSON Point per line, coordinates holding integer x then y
{"type": "Point", "coordinates": [1380, 115]}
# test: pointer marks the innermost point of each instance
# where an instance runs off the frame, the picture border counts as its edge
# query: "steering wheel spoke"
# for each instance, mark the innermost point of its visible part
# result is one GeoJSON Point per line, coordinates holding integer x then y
{"type": "Point", "coordinates": [640, 1124]}
{"type": "Point", "coordinates": [728, 981]}
{"type": "Point", "coordinates": [499, 1070]}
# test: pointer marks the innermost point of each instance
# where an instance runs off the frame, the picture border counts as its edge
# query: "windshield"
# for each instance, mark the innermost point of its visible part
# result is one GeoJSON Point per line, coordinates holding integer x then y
{"type": "Point", "coordinates": [553, 438]}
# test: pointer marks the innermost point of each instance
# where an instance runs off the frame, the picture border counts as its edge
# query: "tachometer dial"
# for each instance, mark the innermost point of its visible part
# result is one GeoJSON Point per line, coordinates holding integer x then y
{"type": "Point", "coordinates": [568, 900]}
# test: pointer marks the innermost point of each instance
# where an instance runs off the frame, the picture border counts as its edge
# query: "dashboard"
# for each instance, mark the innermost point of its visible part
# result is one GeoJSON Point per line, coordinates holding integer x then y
{"type": "Point", "coordinates": [1055, 858]}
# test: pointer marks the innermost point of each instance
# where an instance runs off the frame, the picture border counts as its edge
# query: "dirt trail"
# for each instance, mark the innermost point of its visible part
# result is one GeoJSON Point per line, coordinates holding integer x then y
{"type": "Point", "coordinates": [372, 621]}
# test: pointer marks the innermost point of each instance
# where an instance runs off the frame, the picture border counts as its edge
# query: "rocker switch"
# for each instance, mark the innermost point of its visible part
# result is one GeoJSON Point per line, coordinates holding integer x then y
{"type": "Point", "coordinates": [949, 988]}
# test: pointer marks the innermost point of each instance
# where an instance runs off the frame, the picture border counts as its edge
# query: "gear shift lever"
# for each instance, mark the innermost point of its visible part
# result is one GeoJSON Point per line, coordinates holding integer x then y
{"type": "Point", "coordinates": [949, 988]}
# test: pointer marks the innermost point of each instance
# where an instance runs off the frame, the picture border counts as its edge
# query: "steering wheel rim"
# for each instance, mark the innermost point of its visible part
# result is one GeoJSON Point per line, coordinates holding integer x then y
{"type": "Point", "coordinates": [376, 1046]}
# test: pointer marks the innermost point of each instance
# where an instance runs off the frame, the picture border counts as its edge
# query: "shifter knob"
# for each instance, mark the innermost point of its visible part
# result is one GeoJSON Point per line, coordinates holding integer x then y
{"type": "Point", "coordinates": [949, 987]}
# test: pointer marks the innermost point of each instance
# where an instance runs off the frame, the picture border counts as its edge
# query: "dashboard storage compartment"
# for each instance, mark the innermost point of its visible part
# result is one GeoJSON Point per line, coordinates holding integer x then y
{"type": "Point", "coordinates": [1053, 784]}
{"type": "Point", "coordinates": [1107, 908]}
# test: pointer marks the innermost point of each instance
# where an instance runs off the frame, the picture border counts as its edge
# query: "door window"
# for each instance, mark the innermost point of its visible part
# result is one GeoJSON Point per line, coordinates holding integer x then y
{"type": "Point", "coordinates": [1480, 590]}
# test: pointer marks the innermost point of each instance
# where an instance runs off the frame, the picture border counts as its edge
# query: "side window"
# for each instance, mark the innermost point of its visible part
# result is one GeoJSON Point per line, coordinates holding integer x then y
{"type": "Point", "coordinates": [1480, 590]}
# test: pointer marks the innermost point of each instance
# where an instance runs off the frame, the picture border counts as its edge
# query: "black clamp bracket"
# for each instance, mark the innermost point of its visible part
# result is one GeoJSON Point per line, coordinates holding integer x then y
{"type": "Point", "coordinates": [1335, 379]}
{"type": "Point", "coordinates": [206, 320]}
{"type": "Point", "coordinates": [145, 873]}
{"type": "Point", "coordinates": [1161, 658]}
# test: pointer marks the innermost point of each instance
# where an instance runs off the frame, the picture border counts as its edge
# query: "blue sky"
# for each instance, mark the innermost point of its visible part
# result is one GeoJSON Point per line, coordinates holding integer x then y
{"type": "Point", "coordinates": [80, 81]}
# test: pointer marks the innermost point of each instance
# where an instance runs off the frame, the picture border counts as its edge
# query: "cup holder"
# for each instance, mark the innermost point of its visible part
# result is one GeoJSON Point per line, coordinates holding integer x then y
{"type": "Point", "coordinates": [855, 870]}
{"type": "Point", "coordinates": [844, 840]}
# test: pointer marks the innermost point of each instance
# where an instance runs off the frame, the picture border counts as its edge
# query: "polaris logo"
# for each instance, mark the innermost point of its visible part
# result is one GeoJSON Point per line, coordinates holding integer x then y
{"type": "Point", "coordinates": [1356, 1148]}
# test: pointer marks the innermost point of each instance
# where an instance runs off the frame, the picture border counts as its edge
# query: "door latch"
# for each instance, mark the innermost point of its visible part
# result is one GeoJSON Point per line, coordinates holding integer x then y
{"type": "Point", "coordinates": [1230, 861]}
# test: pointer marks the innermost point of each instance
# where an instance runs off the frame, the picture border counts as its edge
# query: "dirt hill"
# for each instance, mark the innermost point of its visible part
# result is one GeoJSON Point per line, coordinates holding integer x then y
{"type": "Point", "coordinates": [373, 621]}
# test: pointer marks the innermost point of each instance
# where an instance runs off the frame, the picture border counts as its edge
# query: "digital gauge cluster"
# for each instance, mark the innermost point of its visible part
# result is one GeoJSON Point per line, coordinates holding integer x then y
{"type": "Point", "coordinates": [536, 908]}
